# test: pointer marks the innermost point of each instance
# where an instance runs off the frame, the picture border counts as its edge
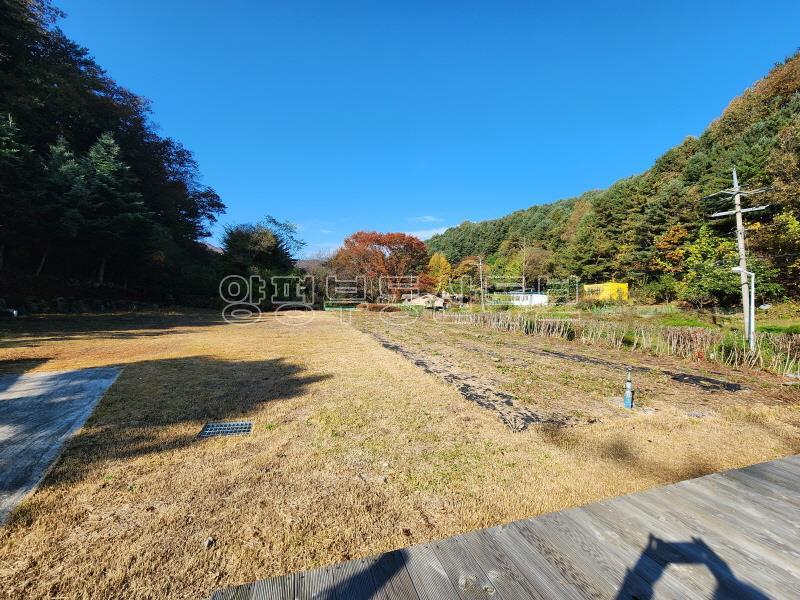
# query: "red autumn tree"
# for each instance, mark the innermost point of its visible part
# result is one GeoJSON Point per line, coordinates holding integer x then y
{"type": "Point", "coordinates": [374, 254]}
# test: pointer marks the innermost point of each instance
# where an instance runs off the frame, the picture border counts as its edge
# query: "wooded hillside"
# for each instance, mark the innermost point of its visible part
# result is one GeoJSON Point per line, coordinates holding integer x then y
{"type": "Point", "coordinates": [89, 191]}
{"type": "Point", "coordinates": [654, 229]}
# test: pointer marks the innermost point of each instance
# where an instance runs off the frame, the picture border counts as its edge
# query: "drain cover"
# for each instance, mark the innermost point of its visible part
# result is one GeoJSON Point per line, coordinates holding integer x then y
{"type": "Point", "coordinates": [230, 428]}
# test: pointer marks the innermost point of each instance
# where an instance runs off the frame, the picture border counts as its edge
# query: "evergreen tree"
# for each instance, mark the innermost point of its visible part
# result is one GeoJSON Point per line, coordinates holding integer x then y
{"type": "Point", "coordinates": [642, 228]}
{"type": "Point", "coordinates": [18, 174]}
{"type": "Point", "coordinates": [62, 99]}
{"type": "Point", "coordinates": [62, 206]}
{"type": "Point", "coordinates": [118, 225]}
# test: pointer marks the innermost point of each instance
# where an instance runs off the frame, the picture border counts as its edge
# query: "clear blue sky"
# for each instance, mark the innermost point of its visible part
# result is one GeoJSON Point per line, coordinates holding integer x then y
{"type": "Point", "coordinates": [401, 115]}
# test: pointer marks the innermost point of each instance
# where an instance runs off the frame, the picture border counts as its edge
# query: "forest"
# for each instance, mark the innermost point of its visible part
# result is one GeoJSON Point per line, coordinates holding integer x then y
{"type": "Point", "coordinates": [93, 200]}
{"type": "Point", "coordinates": [654, 229]}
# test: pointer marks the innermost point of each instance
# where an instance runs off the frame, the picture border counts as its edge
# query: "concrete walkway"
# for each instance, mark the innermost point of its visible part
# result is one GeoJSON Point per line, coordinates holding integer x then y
{"type": "Point", "coordinates": [38, 413]}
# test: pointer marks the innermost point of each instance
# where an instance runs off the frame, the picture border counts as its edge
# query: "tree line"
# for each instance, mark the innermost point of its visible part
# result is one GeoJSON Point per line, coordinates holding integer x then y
{"type": "Point", "coordinates": [374, 255]}
{"type": "Point", "coordinates": [91, 192]}
{"type": "Point", "coordinates": [653, 230]}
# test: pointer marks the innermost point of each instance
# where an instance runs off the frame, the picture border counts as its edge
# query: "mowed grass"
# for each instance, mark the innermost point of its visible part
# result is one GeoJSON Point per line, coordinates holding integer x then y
{"type": "Point", "coordinates": [354, 451]}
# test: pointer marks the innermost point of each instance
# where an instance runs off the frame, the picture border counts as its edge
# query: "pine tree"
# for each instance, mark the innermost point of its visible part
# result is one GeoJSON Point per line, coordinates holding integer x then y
{"type": "Point", "coordinates": [19, 172]}
{"type": "Point", "coordinates": [62, 202]}
{"type": "Point", "coordinates": [118, 225]}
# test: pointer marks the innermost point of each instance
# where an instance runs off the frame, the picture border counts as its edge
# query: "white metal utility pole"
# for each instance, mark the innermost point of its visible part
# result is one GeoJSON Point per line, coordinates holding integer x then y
{"type": "Point", "coordinates": [747, 296]}
{"type": "Point", "coordinates": [737, 203]}
{"type": "Point", "coordinates": [480, 272]}
{"type": "Point", "coordinates": [751, 322]}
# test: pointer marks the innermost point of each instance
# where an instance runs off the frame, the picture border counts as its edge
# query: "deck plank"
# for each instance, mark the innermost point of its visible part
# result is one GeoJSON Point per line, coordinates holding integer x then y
{"type": "Point", "coordinates": [636, 570]}
{"type": "Point", "coordinates": [784, 472]}
{"type": "Point", "coordinates": [757, 526]}
{"type": "Point", "coordinates": [547, 581]}
{"type": "Point", "coordinates": [501, 571]}
{"type": "Point", "coordinates": [466, 575]}
{"type": "Point", "coordinates": [427, 573]}
{"type": "Point", "coordinates": [319, 585]}
{"type": "Point", "coordinates": [577, 546]}
{"type": "Point", "coordinates": [728, 535]}
{"type": "Point", "coordinates": [761, 489]}
{"type": "Point", "coordinates": [353, 580]}
{"type": "Point", "coordinates": [712, 551]}
{"type": "Point", "coordinates": [647, 559]}
{"type": "Point", "coordinates": [391, 578]}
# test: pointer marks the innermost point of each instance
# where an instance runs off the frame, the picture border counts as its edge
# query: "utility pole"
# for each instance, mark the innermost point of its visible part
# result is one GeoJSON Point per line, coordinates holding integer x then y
{"type": "Point", "coordinates": [751, 333]}
{"type": "Point", "coordinates": [480, 273]}
{"type": "Point", "coordinates": [736, 192]}
{"type": "Point", "coordinates": [524, 264]}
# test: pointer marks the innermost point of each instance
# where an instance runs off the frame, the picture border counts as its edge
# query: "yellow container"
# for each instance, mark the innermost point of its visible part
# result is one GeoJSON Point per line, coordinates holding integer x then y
{"type": "Point", "coordinates": [611, 290]}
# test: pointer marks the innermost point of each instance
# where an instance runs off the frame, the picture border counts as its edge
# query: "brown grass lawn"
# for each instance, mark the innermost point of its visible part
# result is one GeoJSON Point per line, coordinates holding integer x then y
{"type": "Point", "coordinates": [355, 449]}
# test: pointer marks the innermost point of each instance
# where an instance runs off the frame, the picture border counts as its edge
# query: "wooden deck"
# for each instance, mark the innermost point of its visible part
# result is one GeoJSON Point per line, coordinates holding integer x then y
{"type": "Point", "coordinates": [38, 413]}
{"type": "Point", "coordinates": [729, 535]}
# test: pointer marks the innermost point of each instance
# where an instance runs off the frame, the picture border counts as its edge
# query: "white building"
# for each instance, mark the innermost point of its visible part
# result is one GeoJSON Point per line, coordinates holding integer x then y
{"type": "Point", "coordinates": [526, 299]}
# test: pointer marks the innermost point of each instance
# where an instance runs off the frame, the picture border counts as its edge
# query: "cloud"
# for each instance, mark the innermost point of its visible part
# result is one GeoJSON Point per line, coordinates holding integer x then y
{"type": "Point", "coordinates": [426, 219]}
{"type": "Point", "coordinates": [317, 249]}
{"type": "Point", "coordinates": [425, 234]}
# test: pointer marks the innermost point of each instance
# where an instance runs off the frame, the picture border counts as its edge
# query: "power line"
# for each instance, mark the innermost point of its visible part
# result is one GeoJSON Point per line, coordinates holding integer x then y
{"type": "Point", "coordinates": [765, 256]}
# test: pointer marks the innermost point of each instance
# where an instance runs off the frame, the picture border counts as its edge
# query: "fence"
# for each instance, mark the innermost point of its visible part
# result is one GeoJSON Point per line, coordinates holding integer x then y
{"type": "Point", "coordinates": [776, 352]}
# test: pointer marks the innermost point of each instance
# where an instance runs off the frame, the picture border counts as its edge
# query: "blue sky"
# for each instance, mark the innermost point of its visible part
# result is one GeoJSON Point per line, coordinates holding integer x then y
{"type": "Point", "coordinates": [414, 115]}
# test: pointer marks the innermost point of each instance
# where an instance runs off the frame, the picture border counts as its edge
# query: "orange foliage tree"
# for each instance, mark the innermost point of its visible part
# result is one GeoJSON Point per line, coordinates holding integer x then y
{"type": "Point", "coordinates": [374, 254]}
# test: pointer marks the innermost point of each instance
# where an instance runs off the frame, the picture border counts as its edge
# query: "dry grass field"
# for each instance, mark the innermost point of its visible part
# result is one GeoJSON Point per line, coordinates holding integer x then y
{"type": "Point", "coordinates": [355, 449]}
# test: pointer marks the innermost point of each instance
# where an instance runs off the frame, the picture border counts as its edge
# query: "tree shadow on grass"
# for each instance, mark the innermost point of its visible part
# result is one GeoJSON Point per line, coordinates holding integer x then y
{"type": "Point", "coordinates": [32, 331]}
{"type": "Point", "coordinates": [12, 368]}
{"type": "Point", "coordinates": [135, 417]}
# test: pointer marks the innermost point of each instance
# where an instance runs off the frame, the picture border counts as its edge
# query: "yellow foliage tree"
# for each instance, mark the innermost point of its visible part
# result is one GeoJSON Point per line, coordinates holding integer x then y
{"type": "Point", "coordinates": [439, 271]}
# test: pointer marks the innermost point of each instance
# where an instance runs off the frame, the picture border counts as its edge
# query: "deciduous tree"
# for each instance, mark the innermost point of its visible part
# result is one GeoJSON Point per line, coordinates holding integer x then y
{"type": "Point", "coordinates": [267, 247]}
{"type": "Point", "coordinates": [439, 270]}
{"type": "Point", "coordinates": [375, 254]}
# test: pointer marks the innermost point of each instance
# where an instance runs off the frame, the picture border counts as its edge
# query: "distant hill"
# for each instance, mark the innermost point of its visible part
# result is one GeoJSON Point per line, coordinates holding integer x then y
{"type": "Point", "coordinates": [650, 227]}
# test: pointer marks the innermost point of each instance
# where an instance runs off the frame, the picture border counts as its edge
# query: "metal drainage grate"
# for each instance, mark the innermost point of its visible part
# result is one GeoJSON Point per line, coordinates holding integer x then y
{"type": "Point", "coordinates": [231, 428]}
